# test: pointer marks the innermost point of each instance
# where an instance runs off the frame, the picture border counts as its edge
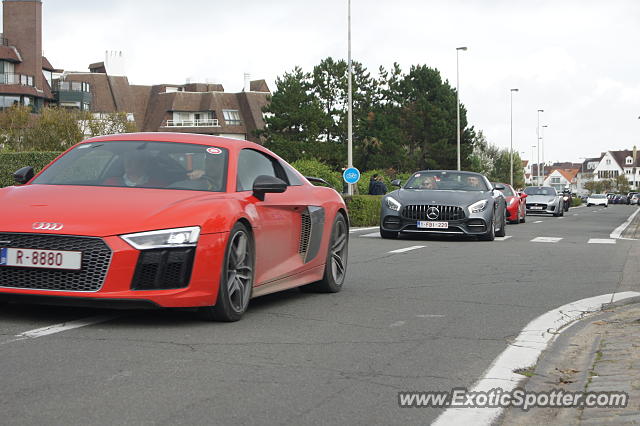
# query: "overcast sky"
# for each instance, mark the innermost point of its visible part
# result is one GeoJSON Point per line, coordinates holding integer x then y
{"type": "Point", "coordinates": [578, 60]}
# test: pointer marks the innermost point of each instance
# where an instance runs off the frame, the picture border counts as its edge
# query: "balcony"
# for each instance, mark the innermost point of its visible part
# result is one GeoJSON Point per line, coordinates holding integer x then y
{"type": "Point", "coordinates": [4, 41]}
{"type": "Point", "coordinates": [71, 86]}
{"type": "Point", "coordinates": [206, 122]}
{"type": "Point", "coordinates": [17, 79]}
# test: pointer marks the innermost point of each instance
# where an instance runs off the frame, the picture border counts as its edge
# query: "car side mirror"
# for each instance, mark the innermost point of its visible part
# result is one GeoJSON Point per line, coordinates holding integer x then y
{"type": "Point", "coordinates": [396, 182]}
{"type": "Point", "coordinates": [523, 195]}
{"type": "Point", "coordinates": [499, 187]}
{"type": "Point", "coordinates": [265, 184]}
{"type": "Point", "coordinates": [23, 175]}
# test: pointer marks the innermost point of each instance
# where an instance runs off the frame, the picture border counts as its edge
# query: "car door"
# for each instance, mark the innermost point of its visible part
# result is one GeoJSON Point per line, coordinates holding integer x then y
{"type": "Point", "coordinates": [276, 217]}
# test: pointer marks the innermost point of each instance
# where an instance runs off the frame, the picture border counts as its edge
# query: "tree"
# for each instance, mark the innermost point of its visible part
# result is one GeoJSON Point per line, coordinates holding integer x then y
{"type": "Point", "coordinates": [107, 124]}
{"type": "Point", "coordinates": [621, 183]}
{"type": "Point", "coordinates": [55, 129]}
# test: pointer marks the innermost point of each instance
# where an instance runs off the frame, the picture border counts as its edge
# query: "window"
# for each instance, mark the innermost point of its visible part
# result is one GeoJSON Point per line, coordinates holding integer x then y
{"type": "Point", "coordinates": [555, 180]}
{"type": "Point", "coordinates": [628, 160]}
{"type": "Point", "coordinates": [252, 164]}
{"type": "Point", "coordinates": [232, 117]}
{"type": "Point", "coordinates": [608, 161]}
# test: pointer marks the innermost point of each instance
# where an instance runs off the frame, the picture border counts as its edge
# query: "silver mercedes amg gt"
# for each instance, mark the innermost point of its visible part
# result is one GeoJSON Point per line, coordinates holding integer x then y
{"type": "Point", "coordinates": [444, 202]}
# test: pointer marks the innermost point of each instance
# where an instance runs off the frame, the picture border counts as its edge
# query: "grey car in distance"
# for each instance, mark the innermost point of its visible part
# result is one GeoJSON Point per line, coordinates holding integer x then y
{"type": "Point", "coordinates": [444, 202]}
{"type": "Point", "coordinates": [544, 199]}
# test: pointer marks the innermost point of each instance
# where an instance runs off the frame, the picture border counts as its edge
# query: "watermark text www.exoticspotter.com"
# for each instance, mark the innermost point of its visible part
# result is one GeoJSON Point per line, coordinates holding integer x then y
{"type": "Point", "coordinates": [518, 398]}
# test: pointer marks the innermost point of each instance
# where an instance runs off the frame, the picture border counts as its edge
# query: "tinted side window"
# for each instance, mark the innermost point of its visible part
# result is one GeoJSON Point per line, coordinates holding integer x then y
{"type": "Point", "coordinates": [292, 177]}
{"type": "Point", "coordinates": [252, 164]}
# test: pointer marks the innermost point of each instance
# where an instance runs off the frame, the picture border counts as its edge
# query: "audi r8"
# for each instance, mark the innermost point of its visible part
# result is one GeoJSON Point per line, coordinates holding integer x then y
{"type": "Point", "coordinates": [544, 199]}
{"type": "Point", "coordinates": [444, 202]}
{"type": "Point", "coordinates": [199, 221]}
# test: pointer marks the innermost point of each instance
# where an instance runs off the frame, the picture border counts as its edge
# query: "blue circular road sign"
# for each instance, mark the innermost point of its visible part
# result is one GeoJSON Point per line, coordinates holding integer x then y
{"type": "Point", "coordinates": [351, 175]}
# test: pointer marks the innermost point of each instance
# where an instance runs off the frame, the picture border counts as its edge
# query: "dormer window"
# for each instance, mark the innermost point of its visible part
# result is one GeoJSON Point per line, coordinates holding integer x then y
{"type": "Point", "coordinates": [608, 161]}
{"type": "Point", "coordinates": [628, 161]}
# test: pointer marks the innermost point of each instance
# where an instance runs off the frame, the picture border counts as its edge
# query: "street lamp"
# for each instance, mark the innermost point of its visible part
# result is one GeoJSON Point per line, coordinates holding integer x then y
{"type": "Point", "coordinates": [542, 147]}
{"type": "Point", "coordinates": [538, 142]}
{"type": "Point", "coordinates": [533, 150]}
{"type": "Point", "coordinates": [511, 145]}
{"type": "Point", "coordinates": [350, 111]}
{"type": "Point", "coordinates": [458, 49]}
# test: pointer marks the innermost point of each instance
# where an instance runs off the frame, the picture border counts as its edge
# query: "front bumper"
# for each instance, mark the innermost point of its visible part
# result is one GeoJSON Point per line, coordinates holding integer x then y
{"type": "Point", "coordinates": [462, 223]}
{"type": "Point", "coordinates": [541, 208]}
{"type": "Point", "coordinates": [127, 281]}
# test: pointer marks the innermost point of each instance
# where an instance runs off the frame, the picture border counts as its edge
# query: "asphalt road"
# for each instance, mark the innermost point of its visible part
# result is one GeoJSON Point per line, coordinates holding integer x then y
{"type": "Point", "coordinates": [429, 318]}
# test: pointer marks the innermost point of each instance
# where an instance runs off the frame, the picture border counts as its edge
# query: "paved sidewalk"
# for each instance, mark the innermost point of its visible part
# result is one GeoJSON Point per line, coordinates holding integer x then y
{"type": "Point", "coordinates": [599, 353]}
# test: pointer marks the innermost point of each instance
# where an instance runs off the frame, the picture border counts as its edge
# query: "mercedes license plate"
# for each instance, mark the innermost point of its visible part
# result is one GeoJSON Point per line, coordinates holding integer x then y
{"type": "Point", "coordinates": [424, 224]}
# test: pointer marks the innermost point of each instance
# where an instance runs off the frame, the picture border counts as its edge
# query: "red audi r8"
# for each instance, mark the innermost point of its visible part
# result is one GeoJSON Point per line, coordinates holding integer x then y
{"type": "Point", "coordinates": [516, 206]}
{"type": "Point", "coordinates": [168, 220]}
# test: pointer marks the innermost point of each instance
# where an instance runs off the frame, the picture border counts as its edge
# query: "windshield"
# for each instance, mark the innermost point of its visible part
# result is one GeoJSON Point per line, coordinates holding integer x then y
{"type": "Point", "coordinates": [540, 190]}
{"type": "Point", "coordinates": [167, 165]}
{"type": "Point", "coordinates": [447, 180]}
{"type": "Point", "coordinates": [598, 196]}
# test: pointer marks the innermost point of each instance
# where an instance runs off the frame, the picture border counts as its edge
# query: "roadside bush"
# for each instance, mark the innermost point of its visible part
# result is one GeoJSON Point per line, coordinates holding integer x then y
{"type": "Point", "coordinates": [364, 210]}
{"type": "Point", "coordinates": [12, 161]}
{"type": "Point", "coordinates": [317, 169]}
{"type": "Point", "coordinates": [575, 201]}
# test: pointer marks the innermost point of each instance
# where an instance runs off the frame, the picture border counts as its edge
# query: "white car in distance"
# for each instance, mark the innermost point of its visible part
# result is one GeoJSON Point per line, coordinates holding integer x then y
{"type": "Point", "coordinates": [597, 200]}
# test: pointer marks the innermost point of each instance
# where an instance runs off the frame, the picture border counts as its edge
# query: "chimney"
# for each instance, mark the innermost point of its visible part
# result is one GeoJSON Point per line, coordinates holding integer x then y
{"type": "Point", "coordinates": [247, 82]}
{"type": "Point", "coordinates": [114, 63]}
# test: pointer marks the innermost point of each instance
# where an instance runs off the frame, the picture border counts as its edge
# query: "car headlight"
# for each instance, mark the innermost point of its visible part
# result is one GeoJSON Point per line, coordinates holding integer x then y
{"type": "Point", "coordinates": [177, 237]}
{"type": "Point", "coordinates": [478, 206]}
{"type": "Point", "coordinates": [393, 204]}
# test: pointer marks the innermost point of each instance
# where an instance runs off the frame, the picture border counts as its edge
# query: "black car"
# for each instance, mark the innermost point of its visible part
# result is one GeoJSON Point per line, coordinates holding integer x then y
{"type": "Point", "coordinates": [445, 202]}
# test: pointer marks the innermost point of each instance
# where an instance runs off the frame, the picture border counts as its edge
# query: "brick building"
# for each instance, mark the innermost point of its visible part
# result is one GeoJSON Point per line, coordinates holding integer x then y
{"type": "Point", "coordinates": [27, 78]}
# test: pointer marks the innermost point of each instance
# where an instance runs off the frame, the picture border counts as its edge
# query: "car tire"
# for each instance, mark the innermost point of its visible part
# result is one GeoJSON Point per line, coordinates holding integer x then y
{"type": "Point", "coordinates": [491, 233]}
{"type": "Point", "coordinates": [503, 227]}
{"type": "Point", "coordinates": [236, 278]}
{"type": "Point", "coordinates": [335, 269]}
{"type": "Point", "coordinates": [388, 234]}
{"type": "Point", "coordinates": [588, 205]}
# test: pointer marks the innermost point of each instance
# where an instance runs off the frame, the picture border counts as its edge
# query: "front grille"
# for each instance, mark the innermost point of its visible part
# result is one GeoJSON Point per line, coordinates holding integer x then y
{"type": "Point", "coordinates": [305, 234]}
{"type": "Point", "coordinates": [163, 269]}
{"type": "Point", "coordinates": [445, 213]}
{"type": "Point", "coordinates": [96, 256]}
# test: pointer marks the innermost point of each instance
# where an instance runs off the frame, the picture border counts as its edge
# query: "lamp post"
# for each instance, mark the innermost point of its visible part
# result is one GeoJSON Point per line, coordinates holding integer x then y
{"type": "Point", "coordinates": [458, 49]}
{"type": "Point", "coordinates": [538, 143]}
{"type": "Point", "coordinates": [533, 150]}
{"type": "Point", "coordinates": [350, 101]}
{"type": "Point", "coordinates": [511, 144]}
{"type": "Point", "coordinates": [542, 147]}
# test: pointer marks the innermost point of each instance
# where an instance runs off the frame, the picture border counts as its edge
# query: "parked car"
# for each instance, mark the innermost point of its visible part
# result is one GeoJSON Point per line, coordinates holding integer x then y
{"type": "Point", "coordinates": [544, 199]}
{"type": "Point", "coordinates": [597, 200]}
{"type": "Point", "coordinates": [630, 196]}
{"type": "Point", "coordinates": [445, 202]}
{"type": "Point", "coordinates": [516, 207]}
{"type": "Point", "coordinates": [635, 199]}
{"type": "Point", "coordinates": [203, 222]}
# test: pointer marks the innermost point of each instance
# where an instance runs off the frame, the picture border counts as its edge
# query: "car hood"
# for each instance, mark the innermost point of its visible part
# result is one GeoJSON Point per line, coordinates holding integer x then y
{"type": "Point", "coordinates": [453, 198]}
{"type": "Point", "coordinates": [543, 199]}
{"type": "Point", "coordinates": [104, 211]}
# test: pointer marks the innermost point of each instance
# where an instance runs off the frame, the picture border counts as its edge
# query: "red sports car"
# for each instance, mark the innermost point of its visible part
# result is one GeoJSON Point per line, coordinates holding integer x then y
{"type": "Point", "coordinates": [168, 220]}
{"type": "Point", "coordinates": [516, 206]}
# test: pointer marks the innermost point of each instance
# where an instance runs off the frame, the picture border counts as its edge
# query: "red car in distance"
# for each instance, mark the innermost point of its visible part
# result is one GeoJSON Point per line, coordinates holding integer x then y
{"type": "Point", "coordinates": [516, 207]}
{"type": "Point", "coordinates": [168, 220]}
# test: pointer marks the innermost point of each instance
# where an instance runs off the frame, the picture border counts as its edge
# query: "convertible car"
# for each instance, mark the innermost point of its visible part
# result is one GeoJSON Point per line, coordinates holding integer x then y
{"type": "Point", "coordinates": [544, 199]}
{"type": "Point", "coordinates": [445, 202]}
{"type": "Point", "coordinates": [168, 220]}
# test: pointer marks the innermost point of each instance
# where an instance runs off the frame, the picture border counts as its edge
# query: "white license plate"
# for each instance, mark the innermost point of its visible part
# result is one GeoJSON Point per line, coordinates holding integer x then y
{"type": "Point", "coordinates": [536, 208]}
{"type": "Point", "coordinates": [33, 258]}
{"type": "Point", "coordinates": [430, 225]}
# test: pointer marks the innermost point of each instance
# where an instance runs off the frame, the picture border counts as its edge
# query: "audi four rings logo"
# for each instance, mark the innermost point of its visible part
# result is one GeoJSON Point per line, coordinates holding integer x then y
{"type": "Point", "coordinates": [47, 226]}
{"type": "Point", "coordinates": [433, 213]}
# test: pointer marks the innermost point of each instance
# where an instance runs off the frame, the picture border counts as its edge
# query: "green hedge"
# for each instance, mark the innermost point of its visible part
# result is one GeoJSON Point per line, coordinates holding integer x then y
{"type": "Point", "coordinates": [364, 210]}
{"type": "Point", "coordinates": [575, 201]}
{"type": "Point", "coordinates": [12, 161]}
{"type": "Point", "coordinates": [320, 170]}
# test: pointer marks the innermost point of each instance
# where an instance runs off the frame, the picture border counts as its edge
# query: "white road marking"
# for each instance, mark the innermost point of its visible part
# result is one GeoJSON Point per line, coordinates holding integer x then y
{"type": "Point", "coordinates": [561, 217]}
{"type": "Point", "coordinates": [506, 237]}
{"type": "Point", "coordinates": [352, 230]}
{"type": "Point", "coordinates": [371, 235]}
{"type": "Point", "coordinates": [429, 316]}
{"type": "Point", "coordinates": [538, 221]}
{"type": "Point", "coordinates": [601, 241]}
{"type": "Point", "coordinates": [620, 229]}
{"type": "Point", "coordinates": [58, 328]}
{"type": "Point", "coordinates": [575, 214]}
{"type": "Point", "coordinates": [397, 324]}
{"type": "Point", "coordinates": [524, 353]}
{"type": "Point", "coordinates": [402, 250]}
{"type": "Point", "coordinates": [545, 240]}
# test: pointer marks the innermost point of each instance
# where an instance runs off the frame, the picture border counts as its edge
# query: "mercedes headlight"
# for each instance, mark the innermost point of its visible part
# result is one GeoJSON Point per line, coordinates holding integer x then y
{"type": "Point", "coordinates": [393, 204]}
{"type": "Point", "coordinates": [478, 207]}
{"type": "Point", "coordinates": [177, 237]}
